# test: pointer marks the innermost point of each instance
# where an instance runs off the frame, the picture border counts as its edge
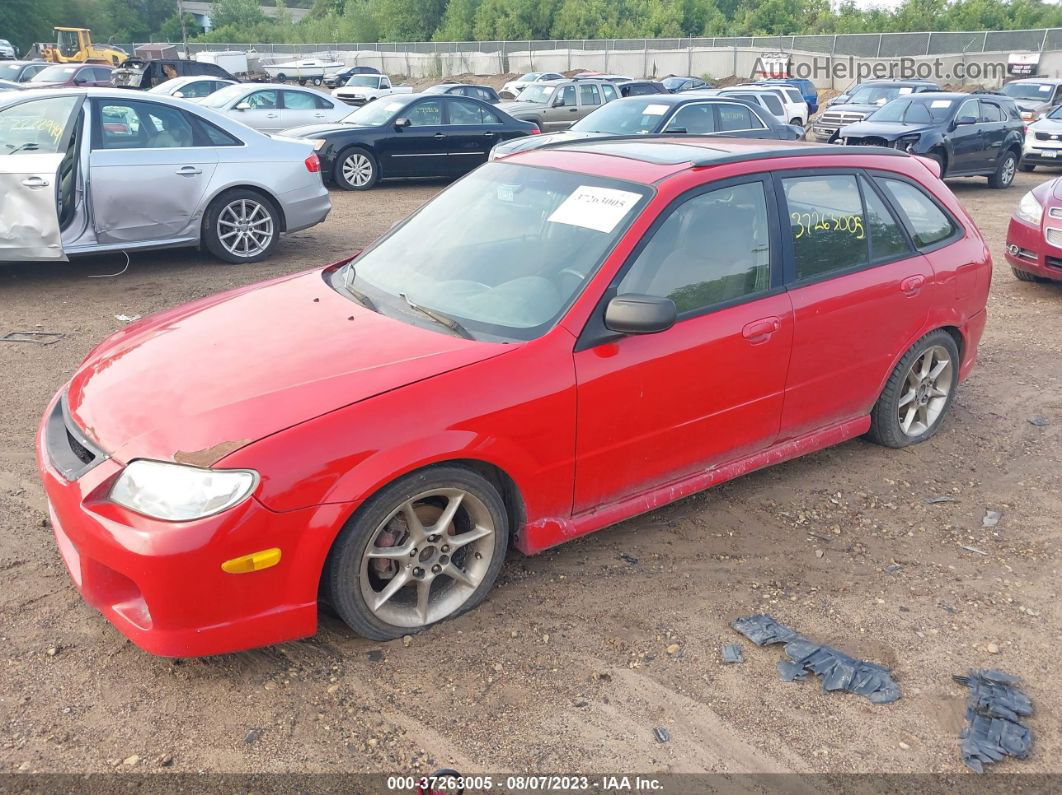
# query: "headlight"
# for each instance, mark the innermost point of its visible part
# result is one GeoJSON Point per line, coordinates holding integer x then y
{"type": "Point", "coordinates": [179, 493]}
{"type": "Point", "coordinates": [318, 145]}
{"type": "Point", "coordinates": [1030, 209]}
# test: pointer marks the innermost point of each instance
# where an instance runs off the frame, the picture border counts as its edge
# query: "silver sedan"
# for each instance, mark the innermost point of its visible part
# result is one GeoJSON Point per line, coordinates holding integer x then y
{"type": "Point", "coordinates": [272, 107]}
{"type": "Point", "coordinates": [87, 171]}
{"type": "Point", "coordinates": [191, 88]}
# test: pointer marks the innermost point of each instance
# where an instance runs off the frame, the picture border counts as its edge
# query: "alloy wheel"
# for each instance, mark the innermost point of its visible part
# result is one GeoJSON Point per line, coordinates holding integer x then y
{"type": "Point", "coordinates": [1006, 176]}
{"type": "Point", "coordinates": [245, 228]}
{"type": "Point", "coordinates": [357, 169]}
{"type": "Point", "coordinates": [427, 558]}
{"type": "Point", "coordinates": [926, 389]}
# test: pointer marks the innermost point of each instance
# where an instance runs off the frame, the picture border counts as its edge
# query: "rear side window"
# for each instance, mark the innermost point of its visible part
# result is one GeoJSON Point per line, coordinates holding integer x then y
{"type": "Point", "coordinates": [774, 105]}
{"type": "Point", "coordinates": [463, 111]}
{"type": "Point", "coordinates": [827, 223]}
{"type": "Point", "coordinates": [588, 95]}
{"type": "Point", "coordinates": [928, 223]}
{"type": "Point", "coordinates": [299, 100]}
{"type": "Point", "coordinates": [733, 117]}
{"type": "Point", "coordinates": [609, 91]}
{"type": "Point", "coordinates": [990, 112]}
{"type": "Point", "coordinates": [214, 136]}
{"type": "Point", "coordinates": [712, 249]}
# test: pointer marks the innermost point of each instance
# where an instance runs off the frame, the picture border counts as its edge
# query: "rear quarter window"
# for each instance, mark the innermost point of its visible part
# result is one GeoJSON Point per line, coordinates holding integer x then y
{"type": "Point", "coordinates": [928, 223]}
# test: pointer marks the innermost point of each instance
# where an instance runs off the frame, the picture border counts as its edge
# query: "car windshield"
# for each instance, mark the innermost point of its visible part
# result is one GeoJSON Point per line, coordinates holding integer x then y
{"type": "Point", "coordinates": [439, 89]}
{"type": "Point", "coordinates": [223, 97]}
{"type": "Point", "coordinates": [375, 113]}
{"type": "Point", "coordinates": [530, 77]}
{"type": "Point", "coordinates": [527, 241]}
{"type": "Point", "coordinates": [169, 86]}
{"type": "Point", "coordinates": [1040, 91]}
{"type": "Point", "coordinates": [10, 71]}
{"type": "Point", "coordinates": [671, 83]}
{"type": "Point", "coordinates": [365, 81]}
{"type": "Point", "coordinates": [877, 95]}
{"type": "Point", "coordinates": [55, 74]}
{"type": "Point", "coordinates": [914, 111]}
{"type": "Point", "coordinates": [625, 117]}
{"type": "Point", "coordinates": [36, 126]}
{"type": "Point", "coordinates": [537, 93]}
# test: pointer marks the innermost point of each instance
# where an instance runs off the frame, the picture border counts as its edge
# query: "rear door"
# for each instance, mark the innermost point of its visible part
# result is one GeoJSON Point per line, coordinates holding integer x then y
{"type": "Point", "coordinates": [861, 295]}
{"type": "Point", "coordinates": [35, 138]}
{"type": "Point", "coordinates": [423, 147]}
{"type": "Point", "coordinates": [301, 107]}
{"type": "Point", "coordinates": [472, 132]}
{"type": "Point", "coordinates": [589, 99]}
{"type": "Point", "coordinates": [993, 132]}
{"type": "Point", "coordinates": [149, 168]}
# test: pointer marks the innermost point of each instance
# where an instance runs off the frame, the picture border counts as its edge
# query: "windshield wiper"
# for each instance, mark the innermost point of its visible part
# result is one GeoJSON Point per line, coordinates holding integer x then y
{"type": "Point", "coordinates": [29, 146]}
{"type": "Point", "coordinates": [438, 317]}
{"type": "Point", "coordinates": [348, 284]}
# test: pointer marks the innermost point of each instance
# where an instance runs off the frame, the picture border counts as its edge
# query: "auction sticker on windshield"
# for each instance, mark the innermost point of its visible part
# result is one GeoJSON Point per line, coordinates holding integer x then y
{"type": "Point", "coordinates": [595, 208]}
{"type": "Point", "coordinates": [655, 110]}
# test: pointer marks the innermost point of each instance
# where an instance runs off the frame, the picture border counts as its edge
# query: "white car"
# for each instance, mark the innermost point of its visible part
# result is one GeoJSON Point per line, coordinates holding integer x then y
{"type": "Point", "coordinates": [363, 89]}
{"type": "Point", "coordinates": [191, 88]}
{"type": "Point", "coordinates": [794, 108]}
{"type": "Point", "coordinates": [7, 50]}
{"type": "Point", "coordinates": [766, 100]}
{"type": "Point", "coordinates": [1043, 142]}
{"type": "Point", "coordinates": [272, 107]}
{"type": "Point", "coordinates": [514, 87]}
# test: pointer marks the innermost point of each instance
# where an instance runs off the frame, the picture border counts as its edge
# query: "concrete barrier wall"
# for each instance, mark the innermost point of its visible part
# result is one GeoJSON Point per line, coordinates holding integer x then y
{"type": "Point", "coordinates": [836, 72]}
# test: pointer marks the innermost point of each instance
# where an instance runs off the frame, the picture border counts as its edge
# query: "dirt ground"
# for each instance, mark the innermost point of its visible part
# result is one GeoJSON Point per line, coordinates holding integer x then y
{"type": "Point", "coordinates": [581, 652]}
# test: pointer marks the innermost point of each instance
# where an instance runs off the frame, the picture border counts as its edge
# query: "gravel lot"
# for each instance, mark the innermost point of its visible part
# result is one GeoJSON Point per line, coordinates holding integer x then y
{"type": "Point", "coordinates": [581, 652]}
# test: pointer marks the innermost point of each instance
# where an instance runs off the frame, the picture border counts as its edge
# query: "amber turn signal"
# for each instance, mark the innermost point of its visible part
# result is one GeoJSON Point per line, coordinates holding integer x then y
{"type": "Point", "coordinates": [256, 561]}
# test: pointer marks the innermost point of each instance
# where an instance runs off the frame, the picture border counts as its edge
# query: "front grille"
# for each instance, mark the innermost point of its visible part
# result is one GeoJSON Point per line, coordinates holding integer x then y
{"type": "Point", "coordinates": [69, 449]}
{"type": "Point", "coordinates": [840, 119]}
{"type": "Point", "coordinates": [1054, 237]}
{"type": "Point", "coordinates": [869, 140]}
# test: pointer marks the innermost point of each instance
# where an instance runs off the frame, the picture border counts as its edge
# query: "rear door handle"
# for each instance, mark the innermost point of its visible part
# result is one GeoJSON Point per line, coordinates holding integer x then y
{"type": "Point", "coordinates": [189, 171]}
{"type": "Point", "coordinates": [440, 135]}
{"type": "Point", "coordinates": [912, 284]}
{"type": "Point", "coordinates": [488, 135]}
{"type": "Point", "coordinates": [272, 115]}
{"type": "Point", "coordinates": [35, 182]}
{"type": "Point", "coordinates": [759, 331]}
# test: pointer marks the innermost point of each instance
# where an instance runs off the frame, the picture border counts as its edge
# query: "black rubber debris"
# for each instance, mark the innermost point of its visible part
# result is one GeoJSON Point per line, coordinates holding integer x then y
{"type": "Point", "coordinates": [994, 710]}
{"type": "Point", "coordinates": [732, 654]}
{"type": "Point", "coordinates": [838, 670]}
{"type": "Point", "coordinates": [661, 734]}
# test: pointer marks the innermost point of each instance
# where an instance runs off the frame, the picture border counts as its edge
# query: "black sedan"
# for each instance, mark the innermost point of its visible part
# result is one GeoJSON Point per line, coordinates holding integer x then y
{"type": "Point", "coordinates": [637, 88]}
{"type": "Point", "coordinates": [486, 93]}
{"type": "Point", "coordinates": [410, 135]}
{"type": "Point", "coordinates": [668, 114]}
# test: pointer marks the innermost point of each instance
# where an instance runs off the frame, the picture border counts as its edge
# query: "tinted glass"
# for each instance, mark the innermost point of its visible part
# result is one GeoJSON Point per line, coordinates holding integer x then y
{"type": "Point", "coordinates": [538, 234]}
{"type": "Point", "coordinates": [425, 114]}
{"type": "Point", "coordinates": [625, 117]}
{"type": "Point", "coordinates": [990, 112]}
{"type": "Point", "coordinates": [299, 100]}
{"type": "Point", "coordinates": [568, 96]}
{"type": "Point", "coordinates": [968, 109]}
{"type": "Point", "coordinates": [711, 249]}
{"type": "Point", "coordinates": [609, 91]}
{"type": "Point", "coordinates": [827, 224]}
{"type": "Point", "coordinates": [694, 119]}
{"type": "Point", "coordinates": [734, 117]}
{"type": "Point", "coordinates": [263, 100]}
{"type": "Point", "coordinates": [143, 125]}
{"type": "Point", "coordinates": [887, 240]}
{"type": "Point", "coordinates": [35, 126]}
{"type": "Point", "coordinates": [927, 221]}
{"type": "Point", "coordinates": [200, 88]}
{"type": "Point", "coordinates": [774, 105]}
{"type": "Point", "coordinates": [463, 111]}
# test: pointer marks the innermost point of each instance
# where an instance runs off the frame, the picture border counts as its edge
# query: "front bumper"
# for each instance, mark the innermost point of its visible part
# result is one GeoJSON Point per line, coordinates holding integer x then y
{"type": "Point", "coordinates": [1041, 153]}
{"type": "Point", "coordinates": [161, 583]}
{"type": "Point", "coordinates": [1029, 250]}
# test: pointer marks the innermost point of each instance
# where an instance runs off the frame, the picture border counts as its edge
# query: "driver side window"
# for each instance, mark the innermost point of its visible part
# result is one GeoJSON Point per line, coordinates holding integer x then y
{"type": "Point", "coordinates": [714, 248]}
{"type": "Point", "coordinates": [567, 98]}
{"type": "Point", "coordinates": [427, 113]}
{"type": "Point", "coordinates": [968, 109]}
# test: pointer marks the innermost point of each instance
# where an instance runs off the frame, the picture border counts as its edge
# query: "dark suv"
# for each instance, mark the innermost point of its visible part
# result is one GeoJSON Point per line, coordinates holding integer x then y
{"type": "Point", "coordinates": [859, 102]}
{"type": "Point", "coordinates": [969, 135]}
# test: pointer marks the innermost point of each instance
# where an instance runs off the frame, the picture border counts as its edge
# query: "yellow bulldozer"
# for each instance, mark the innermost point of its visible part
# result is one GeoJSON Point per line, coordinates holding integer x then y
{"type": "Point", "coordinates": [74, 45]}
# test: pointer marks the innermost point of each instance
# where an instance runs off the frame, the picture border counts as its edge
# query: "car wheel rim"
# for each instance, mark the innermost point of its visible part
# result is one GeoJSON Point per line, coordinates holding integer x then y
{"type": "Point", "coordinates": [1008, 170]}
{"type": "Point", "coordinates": [427, 558]}
{"type": "Point", "coordinates": [357, 170]}
{"type": "Point", "coordinates": [245, 228]}
{"type": "Point", "coordinates": [926, 390]}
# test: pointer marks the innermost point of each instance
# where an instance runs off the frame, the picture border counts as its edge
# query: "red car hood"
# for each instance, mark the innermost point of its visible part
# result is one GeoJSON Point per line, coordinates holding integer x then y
{"type": "Point", "coordinates": [197, 382]}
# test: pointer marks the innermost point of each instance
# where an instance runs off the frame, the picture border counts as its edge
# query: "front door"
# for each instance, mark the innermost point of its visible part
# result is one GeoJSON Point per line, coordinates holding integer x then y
{"type": "Point", "coordinates": [967, 144]}
{"type": "Point", "coordinates": [37, 139]}
{"type": "Point", "coordinates": [263, 111]}
{"type": "Point", "coordinates": [421, 148]}
{"type": "Point", "coordinates": [861, 294]}
{"type": "Point", "coordinates": [148, 171]}
{"type": "Point", "coordinates": [563, 110]}
{"type": "Point", "coordinates": [658, 407]}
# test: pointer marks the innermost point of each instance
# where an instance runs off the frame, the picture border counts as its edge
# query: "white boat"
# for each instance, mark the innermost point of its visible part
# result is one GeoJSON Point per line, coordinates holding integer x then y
{"type": "Point", "coordinates": [311, 70]}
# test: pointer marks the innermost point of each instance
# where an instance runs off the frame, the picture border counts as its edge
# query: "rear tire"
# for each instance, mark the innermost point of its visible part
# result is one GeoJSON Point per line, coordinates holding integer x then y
{"type": "Point", "coordinates": [241, 225]}
{"type": "Point", "coordinates": [1028, 169]}
{"type": "Point", "coordinates": [1004, 174]}
{"type": "Point", "coordinates": [918, 394]}
{"type": "Point", "coordinates": [356, 169]}
{"type": "Point", "coordinates": [360, 570]}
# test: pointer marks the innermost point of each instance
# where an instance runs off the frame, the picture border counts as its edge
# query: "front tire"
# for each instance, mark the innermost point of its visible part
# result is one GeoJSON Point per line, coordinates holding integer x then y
{"type": "Point", "coordinates": [356, 169]}
{"type": "Point", "coordinates": [1004, 174]}
{"type": "Point", "coordinates": [1027, 168]}
{"type": "Point", "coordinates": [1025, 276]}
{"type": "Point", "coordinates": [241, 226]}
{"type": "Point", "coordinates": [426, 548]}
{"type": "Point", "coordinates": [918, 394]}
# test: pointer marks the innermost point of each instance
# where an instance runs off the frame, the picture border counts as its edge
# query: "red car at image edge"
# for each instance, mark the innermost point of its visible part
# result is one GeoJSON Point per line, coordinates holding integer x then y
{"type": "Point", "coordinates": [1034, 237]}
{"type": "Point", "coordinates": [563, 339]}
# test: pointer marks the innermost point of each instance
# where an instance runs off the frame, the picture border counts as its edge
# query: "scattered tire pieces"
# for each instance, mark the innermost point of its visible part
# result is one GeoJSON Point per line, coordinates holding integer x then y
{"type": "Point", "coordinates": [994, 710]}
{"type": "Point", "coordinates": [732, 654]}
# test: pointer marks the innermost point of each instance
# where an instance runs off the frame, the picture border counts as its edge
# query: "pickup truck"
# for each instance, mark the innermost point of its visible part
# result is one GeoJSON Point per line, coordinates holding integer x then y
{"type": "Point", "coordinates": [362, 89]}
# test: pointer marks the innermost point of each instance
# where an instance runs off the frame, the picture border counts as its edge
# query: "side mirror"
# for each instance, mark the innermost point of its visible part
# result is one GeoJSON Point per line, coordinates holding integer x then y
{"type": "Point", "coordinates": [243, 106]}
{"type": "Point", "coordinates": [676, 130]}
{"type": "Point", "coordinates": [965, 120]}
{"type": "Point", "coordinates": [179, 94]}
{"type": "Point", "coordinates": [640, 314]}
{"type": "Point", "coordinates": [402, 122]}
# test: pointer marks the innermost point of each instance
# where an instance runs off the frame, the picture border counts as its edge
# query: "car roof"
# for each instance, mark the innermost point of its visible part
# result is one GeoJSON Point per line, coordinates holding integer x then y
{"type": "Point", "coordinates": [661, 156]}
{"type": "Point", "coordinates": [1055, 80]}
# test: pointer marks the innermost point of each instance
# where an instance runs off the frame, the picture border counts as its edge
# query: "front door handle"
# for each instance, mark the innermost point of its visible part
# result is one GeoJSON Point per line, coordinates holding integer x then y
{"type": "Point", "coordinates": [574, 110]}
{"type": "Point", "coordinates": [318, 115]}
{"type": "Point", "coordinates": [189, 171]}
{"type": "Point", "coordinates": [759, 331]}
{"type": "Point", "coordinates": [912, 284]}
{"type": "Point", "coordinates": [35, 182]}
{"type": "Point", "coordinates": [272, 115]}
{"type": "Point", "coordinates": [440, 135]}
{"type": "Point", "coordinates": [488, 135]}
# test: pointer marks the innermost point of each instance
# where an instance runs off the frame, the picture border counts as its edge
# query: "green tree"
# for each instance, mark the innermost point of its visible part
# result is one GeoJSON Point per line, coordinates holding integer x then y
{"type": "Point", "coordinates": [458, 22]}
{"type": "Point", "coordinates": [236, 14]}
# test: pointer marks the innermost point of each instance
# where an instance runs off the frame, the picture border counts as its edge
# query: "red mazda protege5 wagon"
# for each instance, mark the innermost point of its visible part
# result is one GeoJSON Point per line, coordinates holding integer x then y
{"type": "Point", "coordinates": [563, 339]}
